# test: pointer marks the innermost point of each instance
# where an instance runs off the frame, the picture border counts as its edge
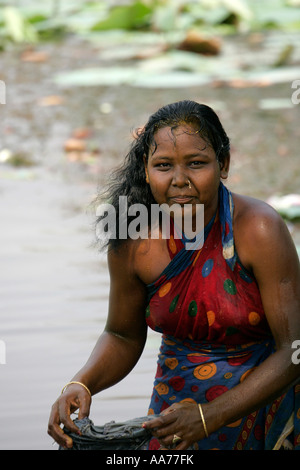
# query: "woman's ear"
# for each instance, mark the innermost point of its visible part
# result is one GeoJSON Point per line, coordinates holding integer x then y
{"type": "Point", "coordinates": [224, 167]}
{"type": "Point", "coordinates": [146, 170]}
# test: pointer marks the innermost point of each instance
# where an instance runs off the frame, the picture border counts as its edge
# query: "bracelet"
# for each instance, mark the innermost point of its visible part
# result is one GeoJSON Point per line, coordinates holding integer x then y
{"type": "Point", "coordinates": [203, 420]}
{"type": "Point", "coordinates": [78, 383]}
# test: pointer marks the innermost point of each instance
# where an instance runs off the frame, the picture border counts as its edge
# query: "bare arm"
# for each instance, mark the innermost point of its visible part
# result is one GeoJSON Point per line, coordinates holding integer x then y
{"type": "Point", "coordinates": [265, 247]}
{"type": "Point", "coordinates": [124, 337]}
{"type": "Point", "coordinates": [125, 331]}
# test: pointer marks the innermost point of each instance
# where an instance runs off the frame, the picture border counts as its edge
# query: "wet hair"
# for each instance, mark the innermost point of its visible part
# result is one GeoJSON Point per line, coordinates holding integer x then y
{"type": "Point", "coordinates": [130, 180]}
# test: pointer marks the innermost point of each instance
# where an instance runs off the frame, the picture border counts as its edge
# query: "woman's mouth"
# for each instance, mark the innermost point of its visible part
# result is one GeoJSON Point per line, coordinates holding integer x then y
{"type": "Point", "coordinates": [181, 199]}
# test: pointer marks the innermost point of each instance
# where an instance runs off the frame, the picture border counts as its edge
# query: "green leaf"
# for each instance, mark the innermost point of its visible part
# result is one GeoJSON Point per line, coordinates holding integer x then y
{"type": "Point", "coordinates": [17, 27]}
{"type": "Point", "coordinates": [164, 17]}
{"type": "Point", "coordinates": [274, 13]}
{"type": "Point", "coordinates": [125, 17]}
{"type": "Point", "coordinates": [131, 76]}
{"type": "Point", "coordinates": [288, 206]}
{"type": "Point", "coordinates": [97, 76]}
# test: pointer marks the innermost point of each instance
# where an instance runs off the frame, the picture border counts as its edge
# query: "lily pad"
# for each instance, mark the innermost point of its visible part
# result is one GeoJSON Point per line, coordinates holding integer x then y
{"type": "Point", "coordinates": [275, 103]}
{"type": "Point", "coordinates": [17, 27]}
{"type": "Point", "coordinates": [288, 206]}
{"type": "Point", "coordinates": [176, 79]}
{"type": "Point", "coordinates": [107, 76]}
{"type": "Point", "coordinates": [125, 17]}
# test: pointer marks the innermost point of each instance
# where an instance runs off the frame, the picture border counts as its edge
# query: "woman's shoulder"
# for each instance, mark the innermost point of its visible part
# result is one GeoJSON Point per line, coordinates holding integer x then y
{"type": "Point", "coordinates": [143, 259]}
{"type": "Point", "coordinates": [254, 215]}
{"type": "Point", "coordinates": [258, 229]}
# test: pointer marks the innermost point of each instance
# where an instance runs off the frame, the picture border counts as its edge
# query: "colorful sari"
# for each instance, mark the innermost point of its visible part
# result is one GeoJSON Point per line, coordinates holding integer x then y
{"type": "Point", "coordinates": [214, 333]}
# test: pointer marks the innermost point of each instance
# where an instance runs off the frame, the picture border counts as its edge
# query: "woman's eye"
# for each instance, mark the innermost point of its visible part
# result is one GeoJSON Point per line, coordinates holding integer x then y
{"type": "Point", "coordinates": [163, 165]}
{"type": "Point", "coordinates": [197, 163]}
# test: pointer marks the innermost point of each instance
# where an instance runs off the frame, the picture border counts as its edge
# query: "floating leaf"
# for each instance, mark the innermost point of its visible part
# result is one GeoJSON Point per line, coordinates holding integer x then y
{"type": "Point", "coordinates": [275, 103]}
{"type": "Point", "coordinates": [131, 76]}
{"type": "Point", "coordinates": [164, 17]}
{"type": "Point", "coordinates": [272, 13]}
{"type": "Point", "coordinates": [125, 17]}
{"type": "Point", "coordinates": [97, 76]}
{"type": "Point", "coordinates": [17, 27]}
{"type": "Point", "coordinates": [176, 79]}
{"type": "Point", "coordinates": [272, 76]}
{"type": "Point", "coordinates": [15, 159]}
{"type": "Point", "coordinates": [285, 55]}
{"type": "Point", "coordinates": [288, 206]}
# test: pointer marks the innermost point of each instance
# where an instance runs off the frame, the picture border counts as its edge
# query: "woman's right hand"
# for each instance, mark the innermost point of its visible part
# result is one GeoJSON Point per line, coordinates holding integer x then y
{"type": "Point", "coordinates": [74, 397]}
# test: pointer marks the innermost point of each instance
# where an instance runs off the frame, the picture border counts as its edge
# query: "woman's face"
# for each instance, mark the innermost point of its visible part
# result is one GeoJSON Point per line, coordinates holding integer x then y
{"type": "Point", "coordinates": [183, 169]}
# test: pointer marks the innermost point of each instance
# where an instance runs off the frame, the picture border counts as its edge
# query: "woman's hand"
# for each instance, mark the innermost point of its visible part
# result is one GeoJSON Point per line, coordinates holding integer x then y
{"type": "Point", "coordinates": [182, 420]}
{"type": "Point", "coordinates": [75, 397]}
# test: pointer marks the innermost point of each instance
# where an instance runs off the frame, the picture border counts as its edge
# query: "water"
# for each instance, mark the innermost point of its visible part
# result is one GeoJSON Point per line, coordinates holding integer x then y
{"type": "Point", "coordinates": [54, 290]}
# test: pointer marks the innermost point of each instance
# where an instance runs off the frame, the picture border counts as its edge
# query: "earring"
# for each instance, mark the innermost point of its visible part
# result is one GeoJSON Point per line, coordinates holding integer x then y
{"type": "Point", "coordinates": [147, 178]}
{"type": "Point", "coordinates": [189, 183]}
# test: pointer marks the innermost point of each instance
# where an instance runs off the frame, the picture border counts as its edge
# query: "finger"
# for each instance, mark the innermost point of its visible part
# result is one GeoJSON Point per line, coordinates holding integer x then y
{"type": "Point", "coordinates": [160, 421]}
{"type": "Point", "coordinates": [65, 418]}
{"type": "Point", "coordinates": [165, 433]}
{"type": "Point", "coordinates": [84, 408]}
{"type": "Point", "coordinates": [167, 441]}
{"type": "Point", "coordinates": [183, 445]}
{"type": "Point", "coordinates": [55, 431]}
{"type": "Point", "coordinates": [152, 424]}
{"type": "Point", "coordinates": [61, 438]}
{"type": "Point", "coordinates": [169, 410]}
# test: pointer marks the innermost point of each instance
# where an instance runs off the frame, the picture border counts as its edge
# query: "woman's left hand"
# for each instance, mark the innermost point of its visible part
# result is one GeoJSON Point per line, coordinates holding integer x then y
{"type": "Point", "coordinates": [180, 420]}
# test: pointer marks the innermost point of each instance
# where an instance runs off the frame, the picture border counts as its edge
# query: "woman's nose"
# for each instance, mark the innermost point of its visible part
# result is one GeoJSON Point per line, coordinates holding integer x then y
{"type": "Point", "coordinates": [179, 178]}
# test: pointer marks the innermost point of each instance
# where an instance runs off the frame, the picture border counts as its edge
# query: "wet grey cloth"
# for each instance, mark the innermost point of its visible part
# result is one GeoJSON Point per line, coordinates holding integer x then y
{"type": "Point", "coordinates": [128, 435]}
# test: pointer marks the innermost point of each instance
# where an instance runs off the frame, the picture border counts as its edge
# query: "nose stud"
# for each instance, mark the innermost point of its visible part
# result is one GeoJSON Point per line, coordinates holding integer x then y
{"type": "Point", "coordinates": [189, 183]}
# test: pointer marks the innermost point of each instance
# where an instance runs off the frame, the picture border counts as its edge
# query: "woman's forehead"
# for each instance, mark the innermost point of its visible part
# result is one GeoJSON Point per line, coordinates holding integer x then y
{"type": "Point", "coordinates": [187, 134]}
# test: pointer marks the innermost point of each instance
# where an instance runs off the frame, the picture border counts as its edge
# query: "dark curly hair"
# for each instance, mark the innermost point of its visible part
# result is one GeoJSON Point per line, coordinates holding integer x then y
{"type": "Point", "coordinates": [129, 179]}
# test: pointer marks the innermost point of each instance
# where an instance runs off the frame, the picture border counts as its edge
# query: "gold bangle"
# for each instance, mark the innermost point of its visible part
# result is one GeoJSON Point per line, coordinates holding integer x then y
{"type": "Point", "coordinates": [203, 420]}
{"type": "Point", "coordinates": [78, 383]}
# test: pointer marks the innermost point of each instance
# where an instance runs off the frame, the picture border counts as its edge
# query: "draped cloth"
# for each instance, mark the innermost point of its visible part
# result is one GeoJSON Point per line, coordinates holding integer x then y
{"type": "Point", "coordinates": [214, 333]}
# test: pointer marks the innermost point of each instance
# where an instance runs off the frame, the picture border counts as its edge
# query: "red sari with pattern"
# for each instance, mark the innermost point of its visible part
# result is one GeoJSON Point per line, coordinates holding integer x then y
{"type": "Point", "coordinates": [214, 333]}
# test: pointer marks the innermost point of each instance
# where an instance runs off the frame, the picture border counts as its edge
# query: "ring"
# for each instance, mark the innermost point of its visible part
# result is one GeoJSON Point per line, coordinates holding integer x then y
{"type": "Point", "coordinates": [176, 439]}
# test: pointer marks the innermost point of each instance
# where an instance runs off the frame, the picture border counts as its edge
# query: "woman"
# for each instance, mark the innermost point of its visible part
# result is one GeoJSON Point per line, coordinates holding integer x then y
{"type": "Point", "coordinates": [228, 312]}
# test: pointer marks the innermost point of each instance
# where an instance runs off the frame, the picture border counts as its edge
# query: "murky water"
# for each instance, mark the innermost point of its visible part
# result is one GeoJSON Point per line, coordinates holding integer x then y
{"type": "Point", "coordinates": [54, 285]}
{"type": "Point", "coordinates": [54, 290]}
